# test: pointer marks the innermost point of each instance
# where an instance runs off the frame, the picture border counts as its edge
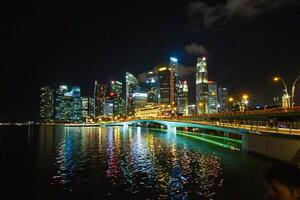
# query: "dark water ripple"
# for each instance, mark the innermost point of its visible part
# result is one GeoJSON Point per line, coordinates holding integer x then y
{"type": "Point", "coordinates": [118, 163]}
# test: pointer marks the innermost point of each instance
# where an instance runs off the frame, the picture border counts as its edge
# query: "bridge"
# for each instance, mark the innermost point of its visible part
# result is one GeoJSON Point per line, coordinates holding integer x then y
{"type": "Point", "coordinates": [172, 125]}
{"type": "Point", "coordinates": [282, 145]}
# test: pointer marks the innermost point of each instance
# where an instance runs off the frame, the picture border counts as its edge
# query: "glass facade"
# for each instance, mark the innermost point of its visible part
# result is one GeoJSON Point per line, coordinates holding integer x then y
{"type": "Point", "coordinates": [87, 107]}
{"type": "Point", "coordinates": [212, 97]}
{"type": "Point", "coordinates": [201, 86]}
{"type": "Point", "coordinates": [222, 99]}
{"type": "Point", "coordinates": [152, 88]}
{"type": "Point", "coordinates": [131, 87]}
{"type": "Point", "coordinates": [182, 108]}
{"type": "Point", "coordinates": [46, 103]}
{"type": "Point", "coordinates": [118, 101]}
{"type": "Point", "coordinates": [100, 96]}
{"type": "Point", "coordinates": [68, 104]}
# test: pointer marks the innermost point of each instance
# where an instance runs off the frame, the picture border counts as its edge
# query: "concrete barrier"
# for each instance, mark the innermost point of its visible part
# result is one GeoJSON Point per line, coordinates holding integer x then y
{"type": "Point", "coordinates": [283, 148]}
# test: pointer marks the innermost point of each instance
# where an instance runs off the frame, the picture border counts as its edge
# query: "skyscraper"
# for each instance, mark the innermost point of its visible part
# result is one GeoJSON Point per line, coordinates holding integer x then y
{"type": "Point", "coordinates": [68, 104]}
{"type": "Point", "coordinates": [212, 97]}
{"type": "Point", "coordinates": [131, 86]}
{"type": "Point", "coordinates": [174, 81]}
{"type": "Point", "coordinates": [139, 100]}
{"type": "Point", "coordinates": [222, 99]}
{"type": "Point", "coordinates": [46, 103]}
{"type": "Point", "coordinates": [152, 88]}
{"type": "Point", "coordinates": [166, 87]}
{"type": "Point", "coordinates": [100, 95]}
{"type": "Point", "coordinates": [182, 108]}
{"type": "Point", "coordinates": [118, 101]}
{"type": "Point", "coordinates": [87, 107]}
{"type": "Point", "coordinates": [201, 86]}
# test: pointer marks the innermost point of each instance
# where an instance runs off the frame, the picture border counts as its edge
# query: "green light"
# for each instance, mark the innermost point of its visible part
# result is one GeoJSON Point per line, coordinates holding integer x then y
{"type": "Point", "coordinates": [213, 136]}
{"type": "Point", "coordinates": [199, 137]}
{"type": "Point", "coordinates": [209, 141]}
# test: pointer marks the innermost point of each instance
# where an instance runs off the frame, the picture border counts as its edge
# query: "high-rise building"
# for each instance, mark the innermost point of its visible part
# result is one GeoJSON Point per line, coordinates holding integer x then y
{"type": "Point", "coordinates": [108, 108]}
{"type": "Point", "coordinates": [192, 110]}
{"type": "Point", "coordinates": [182, 108]}
{"type": "Point", "coordinates": [152, 88]}
{"type": "Point", "coordinates": [100, 96]}
{"type": "Point", "coordinates": [174, 82]}
{"type": "Point", "coordinates": [87, 107]}
{"type": "Point", "coordinates": [131, 87]}
{"type": "Point", "coordinates": [212, 97]}
{"type": "Point", "coordinates": [139, 100]}
{"type": "Point", "coordinates": [46, 103]}
{"type": "Point", "coordinates": [68, 104]}
{"type": "Point", "coordinates": [116, 95]}
{"type": "Point", "coordinates": [222, 99]}
{"type": "Point", "coordinates": [201, 86]}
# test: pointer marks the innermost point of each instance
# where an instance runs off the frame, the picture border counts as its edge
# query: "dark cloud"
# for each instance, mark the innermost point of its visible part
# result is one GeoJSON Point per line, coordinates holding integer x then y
{"type": "Point", "coordinates": [245, 8]}
{"type": "Point", "coordinates": [195, 49]}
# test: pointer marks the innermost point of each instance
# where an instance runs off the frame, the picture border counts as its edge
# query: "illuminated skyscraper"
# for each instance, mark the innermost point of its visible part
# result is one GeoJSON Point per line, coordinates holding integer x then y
{"type": "Point", "coordinates": [212, 97]}
{"type": "Point", "coordinates": [222, 99]}
{"type": "Point", "coordinates": [152, 88]}
{"type": "Point", "coordinates": [118, 101]}
{"type": "Point", "coordinates": [201, 86]}
{"type": "Point", "coordinates": [168, 82]}
{"type": "Point", "coordinates": [165, 89]}
{"type": "Point", "coordinates": [131, 86]}
{"type": "Point", "coordinates": [46, 103]}
{"type": "Point", "coordinates": [100, 95]}
{"type": "Point", "coordinates": [87, 107]}
{"type": "Point", "coordinates": [182, 108]}
{"type": "Point", "coordinates": [68, 104]}
{"type": "Point", "coordinates": [174, 81]}
{"type": "Point", "coordinates": [139, 100]}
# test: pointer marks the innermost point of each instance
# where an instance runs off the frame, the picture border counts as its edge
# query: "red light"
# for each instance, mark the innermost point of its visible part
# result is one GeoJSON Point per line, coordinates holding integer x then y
{"type": "Point", "coordinates": [111, 94]}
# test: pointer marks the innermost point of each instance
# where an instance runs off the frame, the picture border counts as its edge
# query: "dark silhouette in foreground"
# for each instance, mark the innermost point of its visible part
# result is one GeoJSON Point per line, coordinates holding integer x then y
{"type": "Point", "coordinates": [282, 182]}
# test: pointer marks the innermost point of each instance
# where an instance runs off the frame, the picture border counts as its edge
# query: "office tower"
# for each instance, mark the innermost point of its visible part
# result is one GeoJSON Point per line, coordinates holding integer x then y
{"type": "Point", "coordinates": [87, 107]}
{"type": "Point", "coordinates": [131, 87]}
{"type": "Point", "coordinates": [164, 74]}
{"type": "Point", "coordinates": [139, 100]}
{"type": "Point", "coordinates": [68, 104]}
{"type": "Point", "coordinates": [175, 81]}
{"type": "Point", "coordinates": [182, 108]}
{"type": "Point", "coordinates": [118, 101]}
{"type": "Point", "coordinates": [212, 97]}
{"type": "Point", "coordinates": [201, 86]}
{"type": "Point", "coordinates": [192, 110]}
{"type": "Point", "coordinates": [222, 99]}
{"type": "Point", "coordinates": [100, 95]}
{"type": "Point", "coordinates": [152, 88]}
{"type": "Point", "coordinates": [46, 103]}
{"type": "Point", "coordinates": [108, 108]}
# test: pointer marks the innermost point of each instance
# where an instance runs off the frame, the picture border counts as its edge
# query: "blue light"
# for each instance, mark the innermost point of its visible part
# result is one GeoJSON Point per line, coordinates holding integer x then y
{"type": "Point", "coordinates": [173, 59]}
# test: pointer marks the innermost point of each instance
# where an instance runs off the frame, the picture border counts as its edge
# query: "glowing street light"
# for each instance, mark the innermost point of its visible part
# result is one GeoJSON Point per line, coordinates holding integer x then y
{"type": "Point", "coordinates": [293, 89]}
{"type": "Point", "coordinates": [285, 97]}
{"type": "Point", "coordinates": [245, 97]}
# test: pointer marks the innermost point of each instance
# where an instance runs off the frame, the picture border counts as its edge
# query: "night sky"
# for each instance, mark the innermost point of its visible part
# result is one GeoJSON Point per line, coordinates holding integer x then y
{"type": "Point", "coordinates": [46, 42]}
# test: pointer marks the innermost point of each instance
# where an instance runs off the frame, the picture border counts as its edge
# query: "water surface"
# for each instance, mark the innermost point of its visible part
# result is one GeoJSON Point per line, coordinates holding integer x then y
{"type": "Point", "coordinates": [57, 162]}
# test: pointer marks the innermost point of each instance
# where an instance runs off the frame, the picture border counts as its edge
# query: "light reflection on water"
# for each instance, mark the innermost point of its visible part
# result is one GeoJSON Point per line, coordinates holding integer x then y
{"type": "Point", "coordinates": [137, 163]}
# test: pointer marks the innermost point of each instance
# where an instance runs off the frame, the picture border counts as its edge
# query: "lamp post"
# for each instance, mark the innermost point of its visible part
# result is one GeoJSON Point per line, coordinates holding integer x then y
{"type": "Point", "coordinates": [293, 89]}
{"type": "Point", "coordinates": [286, 96]}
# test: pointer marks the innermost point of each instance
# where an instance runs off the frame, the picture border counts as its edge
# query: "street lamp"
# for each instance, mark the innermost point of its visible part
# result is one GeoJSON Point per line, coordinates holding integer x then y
{"type": "Point", "coordinates": [293, 89]}
{"type": "Point", "coordinates": [276, 78]}
{"type": "Point", "coordinates": [286, 96]}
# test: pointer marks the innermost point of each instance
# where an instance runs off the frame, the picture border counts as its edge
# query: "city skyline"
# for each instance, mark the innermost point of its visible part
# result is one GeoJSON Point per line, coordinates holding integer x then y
{"type": "Point", "coordinates": [102, 41]}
